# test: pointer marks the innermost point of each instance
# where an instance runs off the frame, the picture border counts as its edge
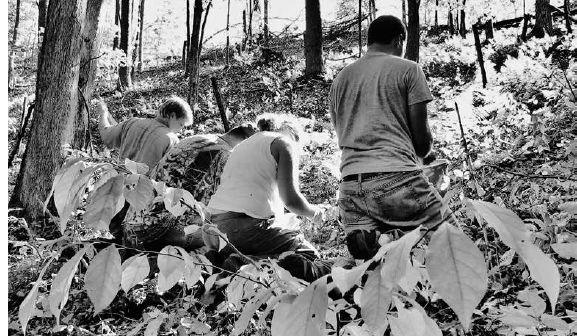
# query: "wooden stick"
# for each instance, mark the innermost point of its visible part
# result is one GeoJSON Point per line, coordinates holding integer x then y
{"type": "Point", "coordinates": [20, 136]}
{"type": "Point", "coordinates": [480, 54]}
{"type": "Point", "coordinates": [220, 104]}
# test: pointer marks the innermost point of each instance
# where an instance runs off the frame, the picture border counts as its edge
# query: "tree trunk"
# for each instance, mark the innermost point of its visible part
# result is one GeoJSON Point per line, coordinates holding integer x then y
{"type": "Point", "coordinates": [373, 9]}
{"type": "Point", "coordinates": [265, 27]}
{"type": "Point", "coordinates": [543, 20]}
{"type": "Point", "coordinates": [201, 39]}
{"type": "Point", "coordinates": [489, 33]}
{"type": "Point", "coordinates": [117, 10]}
{"type": "Point", "coordinates": [462, 28]}
{"type": "Point", "coordinates": [42, 7]}
{"type": "Point", "coordinates": [125, 69]}
{"type": "Point", "coordinates": [11, 81]}
{"type": "Point", "coordinates": [244, 29]}
{"type": "Point", "coordinates": [249, 28]}
{"type": "Point", "coordinates": [89, 52]}
{"type": "Point", "coordinates": [567, 17]}
{"type": "Point", "coordinates": [404, 12]}
{"type": "Point", "coordinates": [413, 31]}
{"type": "Point", "coordinates": [228, 34]}
{"type": "Point", "coordinates": [16, 23]}
{"type": "Point", "coordinates": [187, 31]}
{"type": "Point", "coordinates": [450, 22]}
{"type": "Point", "coordinates": [360, 27]}
{"type": "Point", "coordinates": [436, 13]}
{"type": "Point", "coordinates": [140, 36]}
{"type": "Point", "coordinates": [193, 54]}
{"type": "Point", "coordinates": [55, 106]}
{"type": "Point", "coordinates": [313, 39]}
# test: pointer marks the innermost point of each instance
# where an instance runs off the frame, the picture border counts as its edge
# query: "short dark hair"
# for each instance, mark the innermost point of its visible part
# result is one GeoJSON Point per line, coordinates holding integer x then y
{"type": "Point", "coordinates": [176, 107]}
{"type": "Point", "coordinates": [243, 131]}
{"type": "Point", "coordinates": [385, 29]}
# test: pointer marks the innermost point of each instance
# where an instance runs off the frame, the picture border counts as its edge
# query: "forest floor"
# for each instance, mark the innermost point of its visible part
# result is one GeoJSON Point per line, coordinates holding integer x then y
{"type": "Point", "coordinates": [521, 134]}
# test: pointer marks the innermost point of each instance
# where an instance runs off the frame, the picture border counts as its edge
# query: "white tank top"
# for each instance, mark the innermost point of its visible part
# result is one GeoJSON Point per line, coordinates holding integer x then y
{"type": "Point", "coordinates": [248, 181]}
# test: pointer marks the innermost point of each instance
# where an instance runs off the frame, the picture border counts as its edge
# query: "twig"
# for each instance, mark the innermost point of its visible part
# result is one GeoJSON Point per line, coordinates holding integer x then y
{"type": "Point", "coordinates": [531, 176]}
{"type": "Point", "coordinates": [194, 262]}
{"type": "Point", "coordinates": [87, 127]}
{"type": "Point", "coordinates": [570, 86]}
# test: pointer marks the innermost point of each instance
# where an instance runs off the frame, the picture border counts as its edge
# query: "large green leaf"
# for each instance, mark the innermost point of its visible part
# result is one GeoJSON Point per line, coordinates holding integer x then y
{"type": "Point", "coordinates": [250, 309]}
{"type": "Point", "coordinates": [106, 202]}
{"type": "Point", "coordinates": [61, 284]}
{"type": "Point", "coordinates": [345, 279]}
{"type": "Point", "coordinates": [28, 305]}
{"type": "Point", "coordinates": [565, 250]}
{"type": "Point", "coordinates": [192, 270]}
{"type": "Point", "coordinates": [457, 271]}
{"type": "Point", "coordinates": [69, 186]}
{"type": "Point", "coordinates": [376, 300]}
{"type": "Point", "coordinates": [136, 167]}
{"type": "Point", "coordinates": [305, 316]}
{"type": "Point", "coordinates": [407, 323]}
{"type": "Point", "coordinates": [139, 191]}
{"type": "Point", "coordinates": [134, 270]}
{"type": "Point", "coordinates": [514, 234]}
{"type": "Point", "coordinates": [397, 257]}
{"type": "Point", "coordinates": [171, 267]}
{"type": "Point", "coordinates": [102, 279]}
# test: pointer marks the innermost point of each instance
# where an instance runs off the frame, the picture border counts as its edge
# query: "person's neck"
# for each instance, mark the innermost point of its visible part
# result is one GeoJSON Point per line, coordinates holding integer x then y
{"type": "Point", "coordinates": [389, 49]}
{"type": "Point", "coordinates": [163, 121]}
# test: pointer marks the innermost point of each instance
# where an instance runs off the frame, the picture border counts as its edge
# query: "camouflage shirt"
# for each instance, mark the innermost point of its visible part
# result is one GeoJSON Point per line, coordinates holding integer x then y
{"type": "Point", "coordinates": [194, 164]}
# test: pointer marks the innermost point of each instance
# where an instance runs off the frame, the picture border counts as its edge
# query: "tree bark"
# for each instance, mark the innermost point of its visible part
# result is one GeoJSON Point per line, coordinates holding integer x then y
{"type": "Point", "coordinates": [313, 39]}
{"type": "Point", "coordinates": [413, 31]}
{"type": "Point", "coordinates": [56, 105]}
{"type": "Point", "coordinates": [265, 26]}
{"type": "Point", "coordinates": [436, 13]}
{"type": "Point", "coordinates": [450, 22]}
{"type": "Point", "coordinates": [125, 69]}
{"type": "Point", "coordinates": [193, 58]}
{"type": "Point", "coordinates": [228, 34]}
{"type": "Point", "coordinates": [489, 33]}
{"type": "Point", "coordinates": [566, 16]}
{"type": "Point", "coordinates": [360, 27]}
{"type": "Point", "coordinates": [462, 28]}
{"type": "Point", "coordinates": [11, 81]}
{"type": "Point", "coordinates": [543, 20]}
{"type": "Point", "coordinates": [89, 52]}
{"type": "Point", "coordinates": [140, 34]}
{"type": "Point", "coordinates": [117, 10]}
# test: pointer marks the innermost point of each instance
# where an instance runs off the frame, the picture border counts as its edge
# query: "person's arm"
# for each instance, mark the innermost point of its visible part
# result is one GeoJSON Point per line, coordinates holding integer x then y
{"type": "Point", "coordinates": [418, 97]}
{"type": "Point", "coordinates": [420, 131]}
{"type": "Point", "coordinates": [109, 129]}
{"type": "Point", "coordinates": [287, 180]}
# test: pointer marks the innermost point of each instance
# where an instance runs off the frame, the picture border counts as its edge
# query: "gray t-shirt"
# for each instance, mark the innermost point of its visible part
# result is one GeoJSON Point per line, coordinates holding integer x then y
{"type": "Point", "coordinates": [369, 103]}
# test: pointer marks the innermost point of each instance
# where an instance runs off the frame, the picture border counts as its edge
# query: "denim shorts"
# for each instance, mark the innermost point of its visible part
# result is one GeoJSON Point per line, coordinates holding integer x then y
{"type": "Point", "coordinates": [389, 201]}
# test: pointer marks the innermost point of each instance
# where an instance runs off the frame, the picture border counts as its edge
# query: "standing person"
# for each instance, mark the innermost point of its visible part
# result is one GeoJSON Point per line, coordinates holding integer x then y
{"type": "Point", "coordinates": [260, 180]}
{"type": "Point", "coordinates": [378, 106]}
{"type": "Point", "coordinates": [142, 139]}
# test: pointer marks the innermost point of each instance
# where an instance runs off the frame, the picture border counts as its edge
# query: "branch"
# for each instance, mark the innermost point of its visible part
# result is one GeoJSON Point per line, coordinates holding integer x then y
{"type": "Point", "coordinates": [529, 175]}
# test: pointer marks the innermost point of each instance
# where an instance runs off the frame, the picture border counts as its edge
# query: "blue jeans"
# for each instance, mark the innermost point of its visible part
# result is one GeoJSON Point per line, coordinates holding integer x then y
{"type": "Point", "coordinates": [384, 203]}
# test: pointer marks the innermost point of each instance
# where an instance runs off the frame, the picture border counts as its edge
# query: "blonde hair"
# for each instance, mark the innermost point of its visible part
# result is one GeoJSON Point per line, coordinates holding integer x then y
{"type": "Point", "coordinates": [282, 123]}
{"type": "Point", "coordinates": [176, 107]}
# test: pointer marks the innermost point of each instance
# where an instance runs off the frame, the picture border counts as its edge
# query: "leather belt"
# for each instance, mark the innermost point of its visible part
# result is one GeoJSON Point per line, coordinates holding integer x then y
{"type": "Point", "coordinates": [363, 176]}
